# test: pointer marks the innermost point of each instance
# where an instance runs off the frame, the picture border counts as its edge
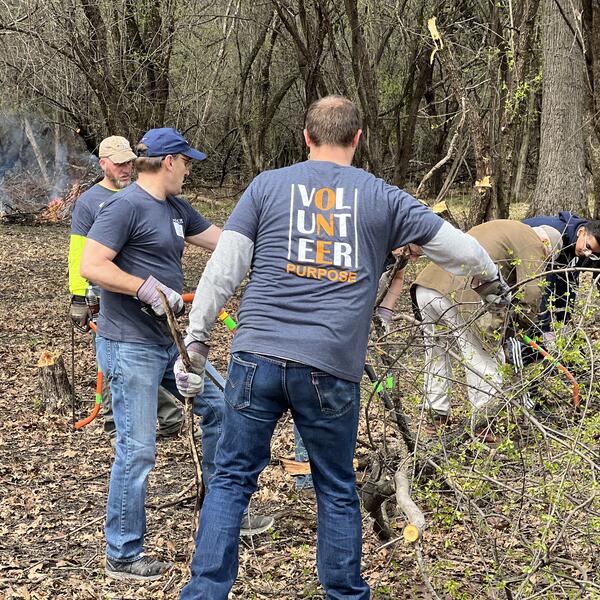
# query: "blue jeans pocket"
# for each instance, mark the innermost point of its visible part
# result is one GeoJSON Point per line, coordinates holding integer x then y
{"type": "Point", "coordinates": [238, 389]}
{"type": "Point", "coordinates": [104, 356]}
{"type": "Point", "coordinates": [336, 395]}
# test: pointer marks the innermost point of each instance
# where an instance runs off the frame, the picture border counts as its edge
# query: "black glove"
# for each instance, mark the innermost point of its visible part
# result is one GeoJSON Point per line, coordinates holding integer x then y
{"type": "Point", "coordinates": [80, 313]}
{"type": "Point", "coordinates": [495, 293]}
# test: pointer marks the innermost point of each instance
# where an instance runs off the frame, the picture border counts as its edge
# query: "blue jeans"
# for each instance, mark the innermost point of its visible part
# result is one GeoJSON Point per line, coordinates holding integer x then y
{"type": "Point", "coordinates": [325, 409]}
{"type": "Point", "coordinates": [135, 371]}
{"type": "Point", "coordinates": [303, 482]}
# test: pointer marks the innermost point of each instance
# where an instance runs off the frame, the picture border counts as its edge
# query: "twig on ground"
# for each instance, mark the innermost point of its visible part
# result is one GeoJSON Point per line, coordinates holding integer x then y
{"type": "Point", "coordinates": [70, 533]}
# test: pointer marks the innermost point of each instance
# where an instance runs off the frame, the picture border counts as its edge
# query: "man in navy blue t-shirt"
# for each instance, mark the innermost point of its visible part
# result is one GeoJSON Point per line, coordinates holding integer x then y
{"type": "Point", "coordinates": [133, 249]}
{"type": "Point", "coordinates": [316, 236]}
{"type": "Point", "coordinates": [116, 161]}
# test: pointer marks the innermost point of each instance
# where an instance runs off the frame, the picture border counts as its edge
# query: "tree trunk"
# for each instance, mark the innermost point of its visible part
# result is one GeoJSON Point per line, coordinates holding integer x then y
{"type": "Point", "coordinates": [592, 32]}
{"type": "Point", "coordinates": [39, 157]}
{"type": "Point", "coordinates": [516, 66]}
{"type": "Point", "coordinates": [365, 78]}
{"type": "Point", "coordinates": [484, 192]}
{"type": "Point", "coordinates": [483, 195]}
{"type": "Point", "coordinates": [561, 180]}
{"type": "Point", "coordinates": [523, 151]}
{"type": "Point", "coordinates": [405, 143]}
{"type": "Point", "coordinates": [55, 388]}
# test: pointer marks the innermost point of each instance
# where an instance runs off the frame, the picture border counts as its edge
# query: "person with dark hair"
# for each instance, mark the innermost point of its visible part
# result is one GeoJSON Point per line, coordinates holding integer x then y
{"type": "Point", "coordinates": [581, 248]}
{"type": "Point", "coordinates": [116, 162]}
{"type": "Point", "coordinates": [134, 249]}
{"type": "Point", "coordinates": [316, 235]}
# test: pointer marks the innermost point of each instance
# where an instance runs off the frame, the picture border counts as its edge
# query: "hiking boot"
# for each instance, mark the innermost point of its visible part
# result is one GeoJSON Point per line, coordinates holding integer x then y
{"type": "Point", "coordinates": [166, 436]}
{"type": "Point", "coordinates": [255, 524]}
{"type": "Point", "coordinates": [143, 568]}
{"type": "Point", "coordinates": [438, 423]}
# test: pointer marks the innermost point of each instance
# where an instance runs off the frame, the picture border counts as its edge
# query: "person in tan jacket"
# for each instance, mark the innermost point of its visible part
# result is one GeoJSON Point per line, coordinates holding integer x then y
{"type": "Point", "coordinates": [448, 306]}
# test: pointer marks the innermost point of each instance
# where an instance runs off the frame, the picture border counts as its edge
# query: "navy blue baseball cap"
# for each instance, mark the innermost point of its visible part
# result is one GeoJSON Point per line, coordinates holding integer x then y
{"type": "Point", "coordinates": [166, 140]}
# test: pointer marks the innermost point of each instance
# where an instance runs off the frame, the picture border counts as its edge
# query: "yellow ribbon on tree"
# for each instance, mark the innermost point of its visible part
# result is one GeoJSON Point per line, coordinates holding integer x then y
{"type": "Point", "coordinates": [438, 42]}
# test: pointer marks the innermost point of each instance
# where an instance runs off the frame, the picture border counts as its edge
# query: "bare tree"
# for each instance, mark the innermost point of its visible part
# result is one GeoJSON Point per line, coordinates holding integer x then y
{"type": "Point", "coordinates": [307, 26]}
{"type": "Point", "coordinates": [561, 178]}
{"type": "Point", "coordinates": [591, 22]}
{"type": "Point", "coordinates": [365, 79]}
{"type": "Point", "coordinates": [119, 52]}
{"type": "Point", "coordinates": [257, 102]}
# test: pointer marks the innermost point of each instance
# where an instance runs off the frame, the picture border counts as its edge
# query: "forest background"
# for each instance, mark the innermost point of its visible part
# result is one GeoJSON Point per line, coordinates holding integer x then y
{"type": "Point", "coordinates": [499, 99]}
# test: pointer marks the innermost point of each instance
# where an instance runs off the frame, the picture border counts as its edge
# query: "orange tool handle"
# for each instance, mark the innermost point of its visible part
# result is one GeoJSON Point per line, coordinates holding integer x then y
{"type": "Point", "coordinates": [98, 405]}
{"type": "Point", "coordinates": [559, 366]}
{"type": "Point", "coordinates": [224, 316]}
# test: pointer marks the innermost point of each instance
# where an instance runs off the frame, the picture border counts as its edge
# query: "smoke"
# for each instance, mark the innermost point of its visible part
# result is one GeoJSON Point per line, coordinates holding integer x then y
{"type": "Point", "coordinates": [39, 162]}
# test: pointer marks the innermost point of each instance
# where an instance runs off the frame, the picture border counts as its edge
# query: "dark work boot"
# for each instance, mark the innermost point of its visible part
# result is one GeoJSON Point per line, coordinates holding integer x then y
{"type": "Point", "coordinates": [143, 568]}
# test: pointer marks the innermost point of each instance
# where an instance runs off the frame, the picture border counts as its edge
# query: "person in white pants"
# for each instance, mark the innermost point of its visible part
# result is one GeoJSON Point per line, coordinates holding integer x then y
{"type": "Point", "coordinates": [448, 308]}
{"type": "Point", "coordinates": [439, 312]}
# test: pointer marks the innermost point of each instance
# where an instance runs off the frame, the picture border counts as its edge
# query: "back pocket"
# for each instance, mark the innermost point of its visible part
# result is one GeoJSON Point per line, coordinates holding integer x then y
{"type": "Point", "coordinates": [238, 389]}
{"type": "Point", "coordinates": [336, 395]}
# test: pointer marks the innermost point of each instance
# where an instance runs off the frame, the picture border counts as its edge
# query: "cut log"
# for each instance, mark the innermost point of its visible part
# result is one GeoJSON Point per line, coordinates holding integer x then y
{"type": "Point", "coordinates": [55, 388]}
{"type": "Point", "coordinates": [416, 520]}
{"type": "Point", "coordinates": [294, 467]}
{"type": "Point", "coordinates": [37, 153]}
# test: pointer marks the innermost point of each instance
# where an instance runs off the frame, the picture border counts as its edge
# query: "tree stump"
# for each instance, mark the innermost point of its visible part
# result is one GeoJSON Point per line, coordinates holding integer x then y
{"type": "Point", "coordinates": [55, 388]}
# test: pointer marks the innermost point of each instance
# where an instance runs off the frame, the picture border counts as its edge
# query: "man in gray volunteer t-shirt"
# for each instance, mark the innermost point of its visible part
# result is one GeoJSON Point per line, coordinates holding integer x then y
{"type": "Point", "coordinates": [315, 236]}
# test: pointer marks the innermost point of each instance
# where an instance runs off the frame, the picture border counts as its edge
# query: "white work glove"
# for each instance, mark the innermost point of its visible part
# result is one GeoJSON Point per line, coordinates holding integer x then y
{"type": "Point", "coordinates": [495, 293]}
{"type": "Point", "coordinates": [148, 294]}
{"type": "Point", "coordinates": [384, 315]}
{"type": "Point", "coordinates": [191, 383]}
{"type": "Point", "coordinates": [549, 342]}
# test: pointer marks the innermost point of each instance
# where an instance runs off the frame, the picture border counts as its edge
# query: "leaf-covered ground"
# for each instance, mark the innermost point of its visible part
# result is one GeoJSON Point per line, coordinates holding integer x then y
{"type": "Point", "coordinates": [54, 480]}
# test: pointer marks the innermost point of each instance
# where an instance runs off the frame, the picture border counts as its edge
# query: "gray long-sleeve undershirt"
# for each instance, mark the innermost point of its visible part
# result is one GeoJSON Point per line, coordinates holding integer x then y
{"type": "Point", "coordinates": [455, 251]}
{"type": "Point", "coordinates": [224, 272]}
{"type": "Point", "coordinates": [460, 254]}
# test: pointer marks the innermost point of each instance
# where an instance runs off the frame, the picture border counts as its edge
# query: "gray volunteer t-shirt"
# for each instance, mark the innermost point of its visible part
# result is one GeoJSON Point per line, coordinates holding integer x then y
{"type": "Point", "coordinates": [86, 208]}
{"type": "Point", "coordinates": [148, 236]}
{"type": "Point", "coordinates": [321, 235]}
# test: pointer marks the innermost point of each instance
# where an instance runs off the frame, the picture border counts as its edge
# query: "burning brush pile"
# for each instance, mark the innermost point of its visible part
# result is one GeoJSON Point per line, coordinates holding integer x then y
{"type": "Point", "coordinates": [42, 172]}
{"type": "Point", "coordinates": [26, 202]}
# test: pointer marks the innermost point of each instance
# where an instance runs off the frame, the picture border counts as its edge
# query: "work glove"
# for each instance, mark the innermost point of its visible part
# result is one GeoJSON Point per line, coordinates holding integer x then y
{"type": "Point", "coordinates": [384, 317]}
{"type": "Point", "coordinates": [191, 383]}
{"type": "Point", "coordinates": [549, 342]}
{"type": "Point", "coordinates": [79, 312]}
{"type": "Point", "coordinates": [148, 294]}
{"type": "Point", "coordinates": [495, 293]}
